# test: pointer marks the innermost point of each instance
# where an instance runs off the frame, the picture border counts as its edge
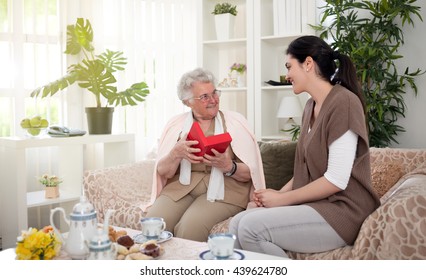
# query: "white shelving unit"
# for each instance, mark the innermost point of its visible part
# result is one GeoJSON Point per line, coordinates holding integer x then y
{"type": "Point", "coordinates": [68, 157]}
{"type": "Point", "coordinates": [261, 45]}
{"type": "Point", "coordinates": [218, 55]}
{"type": "Point", "coordinates": [271, 43]}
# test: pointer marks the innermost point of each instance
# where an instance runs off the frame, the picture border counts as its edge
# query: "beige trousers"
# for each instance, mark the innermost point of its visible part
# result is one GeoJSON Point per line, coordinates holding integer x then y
{"type": "Point", "coordinates": [192, 217]}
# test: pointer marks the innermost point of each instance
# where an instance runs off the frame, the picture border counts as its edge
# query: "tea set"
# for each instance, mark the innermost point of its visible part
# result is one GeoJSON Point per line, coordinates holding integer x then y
{"type": "Point", "coordinates": [87, 240]}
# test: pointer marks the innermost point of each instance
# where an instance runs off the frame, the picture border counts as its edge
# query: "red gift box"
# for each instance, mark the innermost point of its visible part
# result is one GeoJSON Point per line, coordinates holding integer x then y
{"type": "Point", "coordinates": [218, 142]}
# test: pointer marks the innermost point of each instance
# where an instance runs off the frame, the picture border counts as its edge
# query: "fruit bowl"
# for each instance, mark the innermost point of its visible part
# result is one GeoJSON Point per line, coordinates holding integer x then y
{"type": "Point", "coordinates": [35, 127]}
{"type": "Point", "coordinates": [35, 131]}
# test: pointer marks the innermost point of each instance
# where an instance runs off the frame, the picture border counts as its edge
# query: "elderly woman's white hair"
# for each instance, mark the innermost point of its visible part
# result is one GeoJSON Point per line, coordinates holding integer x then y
{"type": "Point", "coordinates": [196, 75]}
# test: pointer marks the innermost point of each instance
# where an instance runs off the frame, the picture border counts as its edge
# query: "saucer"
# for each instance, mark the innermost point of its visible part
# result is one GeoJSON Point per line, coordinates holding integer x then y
{"type": "Point", "coordinates": [207, 255]}
{"type": "Point", "coordinates": [164, 236]}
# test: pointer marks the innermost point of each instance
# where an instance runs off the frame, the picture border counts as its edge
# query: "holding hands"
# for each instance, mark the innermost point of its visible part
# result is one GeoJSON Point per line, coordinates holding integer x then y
{"type": "Point", "coordinates": [268, 198]}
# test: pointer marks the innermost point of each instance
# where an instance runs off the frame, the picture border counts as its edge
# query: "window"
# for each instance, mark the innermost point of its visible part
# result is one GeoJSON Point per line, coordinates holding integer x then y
{"type": "Point", "coordinates": [30, 50]}
{"type": "Point", "coordinates": [158, 37]}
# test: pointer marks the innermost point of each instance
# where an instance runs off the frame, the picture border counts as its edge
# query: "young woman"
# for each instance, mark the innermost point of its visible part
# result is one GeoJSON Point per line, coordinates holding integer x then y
{"type": "Point", "coordinates": [323, 206]}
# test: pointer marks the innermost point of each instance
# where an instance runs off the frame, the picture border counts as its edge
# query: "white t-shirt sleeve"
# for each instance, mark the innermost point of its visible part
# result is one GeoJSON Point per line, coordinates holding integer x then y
{"type": "Point", "coordinates": [341, 159]}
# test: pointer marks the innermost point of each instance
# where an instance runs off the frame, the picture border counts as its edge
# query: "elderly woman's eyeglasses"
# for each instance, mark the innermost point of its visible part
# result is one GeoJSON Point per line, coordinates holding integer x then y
{"type": "Point", "coordinates": [206, 97]}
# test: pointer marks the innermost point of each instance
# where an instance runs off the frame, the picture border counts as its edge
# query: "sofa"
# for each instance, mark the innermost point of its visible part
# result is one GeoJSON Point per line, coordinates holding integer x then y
{"type": "Point", "coordinates": [396, 230]}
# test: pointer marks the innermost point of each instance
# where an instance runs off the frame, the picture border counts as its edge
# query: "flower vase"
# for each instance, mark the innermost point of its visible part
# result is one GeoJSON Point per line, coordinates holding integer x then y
{"type": "Point", "coordinates": [241, 80]}
{"type": "Point", "coordinates": [51, 192]}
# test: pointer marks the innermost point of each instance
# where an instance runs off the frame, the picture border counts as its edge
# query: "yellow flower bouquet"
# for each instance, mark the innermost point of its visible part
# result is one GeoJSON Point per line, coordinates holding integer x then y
{"type": "Point", "coordinates": [37, 244]}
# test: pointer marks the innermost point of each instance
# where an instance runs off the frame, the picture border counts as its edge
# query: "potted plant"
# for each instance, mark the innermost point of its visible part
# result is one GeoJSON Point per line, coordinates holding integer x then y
{"type": "Point", "coordinates": [96, 74]}
{"type": "Point", "coordinates": [370, 32]}
{"type": "Point", "coordinates": [51, 185]}
{"type": "Point", "coordinates": [224, 20]}
{"type": "Point", "coordinates": [237, 71]}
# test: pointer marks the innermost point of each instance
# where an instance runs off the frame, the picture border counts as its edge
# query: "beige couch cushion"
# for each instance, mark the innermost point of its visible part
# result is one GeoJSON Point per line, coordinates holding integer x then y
{"type": "Point", "coordinates": [384, 175]}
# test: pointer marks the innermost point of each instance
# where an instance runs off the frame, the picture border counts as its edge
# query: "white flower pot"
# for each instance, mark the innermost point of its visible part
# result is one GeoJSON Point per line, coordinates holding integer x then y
{"type": "Point", "coordinates": [224, 26]}
{"type": "Point", "coordinates": [241, 80]}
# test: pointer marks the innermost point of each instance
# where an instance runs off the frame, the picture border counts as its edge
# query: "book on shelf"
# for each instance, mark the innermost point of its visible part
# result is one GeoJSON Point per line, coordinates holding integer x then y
{"type": "Point", "coordinates": [219, 142]}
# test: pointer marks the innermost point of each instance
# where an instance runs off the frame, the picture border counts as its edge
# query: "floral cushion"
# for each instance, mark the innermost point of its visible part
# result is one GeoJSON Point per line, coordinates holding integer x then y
{"type": "Point", "coordinates": [409, 159]}
{"type": "Point", "coordinates": [122, 188]}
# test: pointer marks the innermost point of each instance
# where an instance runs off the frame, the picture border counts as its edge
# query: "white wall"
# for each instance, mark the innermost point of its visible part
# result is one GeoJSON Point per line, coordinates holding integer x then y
{"type": "Point", "coordinates": [414, 57]}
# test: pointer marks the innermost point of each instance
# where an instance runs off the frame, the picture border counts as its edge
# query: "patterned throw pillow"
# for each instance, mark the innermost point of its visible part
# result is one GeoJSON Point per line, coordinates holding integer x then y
{"type": "Point", "coordinates": [384, 175]}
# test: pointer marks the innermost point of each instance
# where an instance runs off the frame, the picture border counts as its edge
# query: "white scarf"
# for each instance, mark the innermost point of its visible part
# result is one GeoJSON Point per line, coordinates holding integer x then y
{"type": "Point", "coordinates": [216, 189]}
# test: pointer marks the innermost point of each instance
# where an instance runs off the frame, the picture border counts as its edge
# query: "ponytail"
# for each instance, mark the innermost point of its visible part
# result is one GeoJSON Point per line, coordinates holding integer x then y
{"type": "Point", "coordinates": [345, 75]}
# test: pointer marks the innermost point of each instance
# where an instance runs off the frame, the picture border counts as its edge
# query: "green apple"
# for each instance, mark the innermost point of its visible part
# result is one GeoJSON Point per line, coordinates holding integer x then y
{"type": "Point", "coordinates": [25, 123]}
{"type": "Point", "coordinates": [34, 131]}
{"type": "Point", "coordinates": [44, 123]}
{"type": "Point", "coordinates": [35, 121]}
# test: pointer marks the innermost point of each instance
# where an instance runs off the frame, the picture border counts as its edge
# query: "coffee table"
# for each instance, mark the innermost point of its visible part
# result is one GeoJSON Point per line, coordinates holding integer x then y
{"type": "Point", "coordinates": [174, 249]}
{"type": "Point", "coordinates": [184, 249]}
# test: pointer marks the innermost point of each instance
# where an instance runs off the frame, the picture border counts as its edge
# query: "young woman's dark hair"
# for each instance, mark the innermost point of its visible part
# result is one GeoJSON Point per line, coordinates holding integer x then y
{"type": "Point", "coordinates": [344, 73]}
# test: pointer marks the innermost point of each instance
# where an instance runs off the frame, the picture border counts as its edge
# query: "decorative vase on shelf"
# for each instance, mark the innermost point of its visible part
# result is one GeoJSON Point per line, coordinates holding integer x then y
{"type": "Point", "coordinates": [237, 79]}
{"type": "Point", "coordinates": [224, 24]}
{"type": "Point", "coordinates": [237, 73]}
{"type": "Point", "coordinates": [241, 80]}
{"type": "Point", "coordinates": [51, 191]}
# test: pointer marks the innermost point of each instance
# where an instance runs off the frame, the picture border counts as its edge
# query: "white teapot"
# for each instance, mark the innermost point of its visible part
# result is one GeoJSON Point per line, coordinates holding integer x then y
{"type": "Point", "coordinates": [82, 227]}
{"type": "Point", "coordinates": [100, 246]}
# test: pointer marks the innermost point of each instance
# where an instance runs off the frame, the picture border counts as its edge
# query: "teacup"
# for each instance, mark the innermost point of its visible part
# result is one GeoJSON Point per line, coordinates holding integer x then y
{"type": "Point", "coordinates": [221, 245]}
{"type": "Point", "coordinates": [152, 227]}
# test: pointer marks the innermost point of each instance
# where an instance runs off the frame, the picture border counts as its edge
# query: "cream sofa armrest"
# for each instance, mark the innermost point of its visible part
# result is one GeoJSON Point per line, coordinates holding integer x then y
{"type": "Point", "coordinates": [397, 229]}
{"type": "Point", "coordinates": [123, 188]}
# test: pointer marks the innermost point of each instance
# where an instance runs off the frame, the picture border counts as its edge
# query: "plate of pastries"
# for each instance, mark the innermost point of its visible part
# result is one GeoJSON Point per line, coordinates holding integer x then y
{"type": "Point", "coordinates": [128, 249]}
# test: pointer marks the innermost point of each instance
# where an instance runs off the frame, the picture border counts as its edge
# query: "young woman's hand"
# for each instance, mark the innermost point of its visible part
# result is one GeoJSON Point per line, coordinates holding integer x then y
{"type": "Point", "coordinates": [268, 198]}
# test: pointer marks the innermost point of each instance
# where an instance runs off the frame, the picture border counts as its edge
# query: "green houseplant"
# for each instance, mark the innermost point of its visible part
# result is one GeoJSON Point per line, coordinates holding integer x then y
{"type": "Point", "coordinates": [225, 8]}
{"type": "Point", "coordinates": [370, 33]}
{"type": "Point", "coordinates": [96, 74]}
{"type": "Point", "coordinates": [224, 14]}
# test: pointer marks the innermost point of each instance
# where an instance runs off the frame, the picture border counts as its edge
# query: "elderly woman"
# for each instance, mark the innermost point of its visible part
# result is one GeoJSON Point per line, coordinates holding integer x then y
{"type": "Point", "coordinates": [193, 193]}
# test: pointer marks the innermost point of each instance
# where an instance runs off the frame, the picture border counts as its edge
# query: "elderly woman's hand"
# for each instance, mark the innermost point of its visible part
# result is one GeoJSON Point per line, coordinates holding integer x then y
{"type": "Point", "coordinates": [184, 150]}
{"type": "Point", "coordinates": [222, 161]}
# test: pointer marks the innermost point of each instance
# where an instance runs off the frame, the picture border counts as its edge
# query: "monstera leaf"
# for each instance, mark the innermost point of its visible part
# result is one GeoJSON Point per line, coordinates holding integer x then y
{"type": "Point", "coordinates": [136, 93]}
{"type": "Point", "coordinates": [94, 72]}
{"type": "Point", "coordinates": [79, 36]}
